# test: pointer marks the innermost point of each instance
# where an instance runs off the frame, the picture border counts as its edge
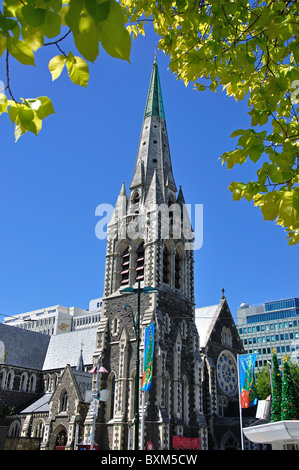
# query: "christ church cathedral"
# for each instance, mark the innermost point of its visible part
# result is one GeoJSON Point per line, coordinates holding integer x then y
{"type": "Point", "coordinates": [191, 398]}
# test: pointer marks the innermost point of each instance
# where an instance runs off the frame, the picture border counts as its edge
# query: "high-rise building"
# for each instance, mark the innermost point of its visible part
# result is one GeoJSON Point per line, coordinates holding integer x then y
{"type": "Point", "coordinates": [274, 324]}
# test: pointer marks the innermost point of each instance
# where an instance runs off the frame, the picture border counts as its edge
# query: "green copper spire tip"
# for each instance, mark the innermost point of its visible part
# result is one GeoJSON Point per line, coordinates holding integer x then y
{"type": "Point", "coordinates": [154, 104]}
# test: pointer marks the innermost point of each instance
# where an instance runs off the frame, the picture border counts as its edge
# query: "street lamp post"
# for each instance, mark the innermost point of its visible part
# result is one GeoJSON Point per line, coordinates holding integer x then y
{"type": "Point", "coordinates": [95, 403]}
{"type": "Point", "coordinates": [132, 290]}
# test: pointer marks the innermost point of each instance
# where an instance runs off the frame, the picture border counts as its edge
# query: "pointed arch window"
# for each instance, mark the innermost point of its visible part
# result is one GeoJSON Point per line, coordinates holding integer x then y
{"type": "Point", "coordinates": [63, 402]}
{"type": "Point", "coordinates": [166, 265]}
{"type": "Point", "coordinates": [184, 399]}
{"type": "Point", "coordinates": [32, 383]}
{"type": "Point", "coordinates": [125, 267]}
{"type": "Point", "coordinates": [10, 379]}
{"type": "Point", "coordinates": [24, 381]}
{"type": "Point", "coordinates": [136, 197]}
{"type": "Point", "coordinates": [111, 386]}
{"type": "Point", "coordinates": [140, 262]}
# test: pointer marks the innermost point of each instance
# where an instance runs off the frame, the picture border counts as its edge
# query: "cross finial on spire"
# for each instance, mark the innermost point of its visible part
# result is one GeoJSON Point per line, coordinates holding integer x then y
{"type": "Point", "coordinates": [223, 292]}
{"type": "Point", "coordinates": [155, 54]}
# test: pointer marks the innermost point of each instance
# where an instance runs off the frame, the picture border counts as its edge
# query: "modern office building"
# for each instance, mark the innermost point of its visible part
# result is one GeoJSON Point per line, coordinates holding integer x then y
{"type": "Point", "coordinates": [274, 324]}
{"type": "Point", "coordinates": [58, 319]}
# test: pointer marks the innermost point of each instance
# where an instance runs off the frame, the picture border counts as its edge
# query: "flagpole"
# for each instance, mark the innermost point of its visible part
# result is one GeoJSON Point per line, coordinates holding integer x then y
{"type": "Point", "coordinates": [142, 420]}
{"type": "Point", "coordinates": [240, 408]}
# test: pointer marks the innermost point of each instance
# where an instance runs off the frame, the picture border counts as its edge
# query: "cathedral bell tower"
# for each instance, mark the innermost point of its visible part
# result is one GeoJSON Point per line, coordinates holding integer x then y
{"type": "Point", "coordinates": [149, 239]}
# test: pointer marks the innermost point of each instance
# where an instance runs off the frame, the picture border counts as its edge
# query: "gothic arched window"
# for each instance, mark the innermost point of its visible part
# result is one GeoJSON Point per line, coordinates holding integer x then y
{"type": "Point", "coordinates": [136, 197]}
{"type": "Point", "coordinates": [111, 387]}
{"type": "Point", "coordinates": [140, 262]}
{"type": "Point", "coordinates": [185, 400]}
{"type": "Point", "coordinates": [10, 380]}
{"type": "Point", "coordinates": [63, 402]}
{"type": "Point", "coordinates": [32, 383]}
{"type": "Point", "coordinates": [23, 383]}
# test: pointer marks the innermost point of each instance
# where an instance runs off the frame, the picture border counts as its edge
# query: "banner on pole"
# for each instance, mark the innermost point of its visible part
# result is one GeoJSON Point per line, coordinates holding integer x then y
{"type": "Point", "coordinates": [148, 358]}
{"type": "Point", "coordinates": [247, 388]}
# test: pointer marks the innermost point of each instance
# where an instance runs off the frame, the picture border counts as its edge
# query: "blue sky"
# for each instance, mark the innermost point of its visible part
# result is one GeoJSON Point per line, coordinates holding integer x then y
{"type": "Point", "coordinates": [50, 186]}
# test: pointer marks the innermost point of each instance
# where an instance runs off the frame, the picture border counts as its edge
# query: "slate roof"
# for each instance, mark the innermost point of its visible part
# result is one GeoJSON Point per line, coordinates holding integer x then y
{"type": "Point", "coordinates": [33, 350]}
{"type": "Point", "coordinates": [24, 348]}
{"type": "Point", "coordinates": [65, 348]}
{"type": "Point", "coordinates": [39, 406]}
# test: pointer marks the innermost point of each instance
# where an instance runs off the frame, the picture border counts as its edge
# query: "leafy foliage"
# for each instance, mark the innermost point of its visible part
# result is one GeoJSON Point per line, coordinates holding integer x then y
{"type": "Point", "coordinates": [28, 25]}
{"type": "Point", "coordinates": [250, 50]}
{"type": "Point", "coordinates": [289, 397]}
{"type": "Point", "coordinates": [276, 395]}
{"type": "Point", "coordinates": [262, 382]}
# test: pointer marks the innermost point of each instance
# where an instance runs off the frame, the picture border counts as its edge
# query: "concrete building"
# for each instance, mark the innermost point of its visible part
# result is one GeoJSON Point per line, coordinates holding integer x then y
{"type": "Point", "coordinates": [58, 319]}
{"type": "Point", "coordinates": [274, 324]}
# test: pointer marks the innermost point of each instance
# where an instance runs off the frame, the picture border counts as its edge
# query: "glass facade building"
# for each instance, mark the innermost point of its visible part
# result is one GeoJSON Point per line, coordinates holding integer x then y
{"type": "Point", "coordinates": [274, 324]}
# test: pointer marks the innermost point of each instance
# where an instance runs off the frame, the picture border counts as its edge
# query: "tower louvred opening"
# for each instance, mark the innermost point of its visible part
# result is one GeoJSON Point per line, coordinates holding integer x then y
{"type": "Point", "coordinates": [140, 263]}
{"type": "Point", "coordinates": [125, 267]}
{"type": "Point", "coordinates": [166, 265]}
{"type": "Point", "coordinates": [177, 271]}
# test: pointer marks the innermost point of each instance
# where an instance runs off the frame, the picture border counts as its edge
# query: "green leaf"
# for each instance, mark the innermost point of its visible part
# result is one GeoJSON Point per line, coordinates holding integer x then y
{"type": "Point", "coordinates": [99, 12]}
{"type": "Point", "coordinates": [78, 70]}
{"type": "Point", "coordinates": [114, 37]}
{"type": "Point", "coordinates": [56, 66]}
{"type": "Point", "coordinates": [21, 51]}
{"type": "Point", "coordinates": [34, 16]}
{"type": "Point", "coordinates": [13, 111]}
{"type": "Point", "coordinates": [25, 116]}
{"type": "Point", "coordinates": [3, 42]}
{"type": "Point", "coordinates": [269, 204]}
{"type": "Point", "coordinates": [52, 25]}
{"type": "Point", "coordinates": [288, 215]}
{"type": "Point", "coordinates": [256, 151]}
{"type": "Point", "coordinates": [45, 107]}
{"type": "Point", "coordinates": [73, 15]}
{"type": "Point", "coordinates": [3, 103]}
{"type": "Point", "coordinates": [34, 37]}
{"type": "Point", "coordinates": [238, 132]}
{"type": "Point", "coordinates": [87, 38]}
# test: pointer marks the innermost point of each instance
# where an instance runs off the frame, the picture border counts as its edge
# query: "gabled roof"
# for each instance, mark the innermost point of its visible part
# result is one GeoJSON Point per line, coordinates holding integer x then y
{"type": "Point", "coordinates": [205, 319]}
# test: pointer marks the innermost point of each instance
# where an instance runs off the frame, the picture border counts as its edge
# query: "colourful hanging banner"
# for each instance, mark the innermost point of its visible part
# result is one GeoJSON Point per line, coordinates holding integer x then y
{"type": "Point", "coordinates": [247, 390]}
{"type": "Point", "coordinates": [148, 358]}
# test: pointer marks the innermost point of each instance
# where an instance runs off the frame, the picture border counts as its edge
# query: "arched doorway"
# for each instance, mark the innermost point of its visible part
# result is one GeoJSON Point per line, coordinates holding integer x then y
{"type": "Point", "coordinates": [229, 442]}
{"type": "Point", "coordinates": [61, 440]}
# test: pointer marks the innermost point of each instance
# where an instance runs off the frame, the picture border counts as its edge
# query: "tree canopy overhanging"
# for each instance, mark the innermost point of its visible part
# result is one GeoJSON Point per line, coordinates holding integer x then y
{"type": "Point", "coordinates": [248, 48]}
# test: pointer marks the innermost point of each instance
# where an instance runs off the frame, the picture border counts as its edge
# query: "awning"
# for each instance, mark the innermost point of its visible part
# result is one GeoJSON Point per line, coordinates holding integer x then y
{"type": "Point", "coordinates": [273, 432]}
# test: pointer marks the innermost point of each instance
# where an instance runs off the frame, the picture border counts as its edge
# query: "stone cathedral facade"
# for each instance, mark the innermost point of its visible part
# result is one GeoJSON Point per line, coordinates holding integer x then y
{"type": "Point", "coordinates": [150, 241]}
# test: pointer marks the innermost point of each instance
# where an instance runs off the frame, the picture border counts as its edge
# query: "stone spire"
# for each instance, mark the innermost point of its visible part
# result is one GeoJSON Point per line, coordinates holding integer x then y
{"type": "Point", "coordinates": [80, 364]}
{"type": "Point", "coordinates": [153, 163]}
